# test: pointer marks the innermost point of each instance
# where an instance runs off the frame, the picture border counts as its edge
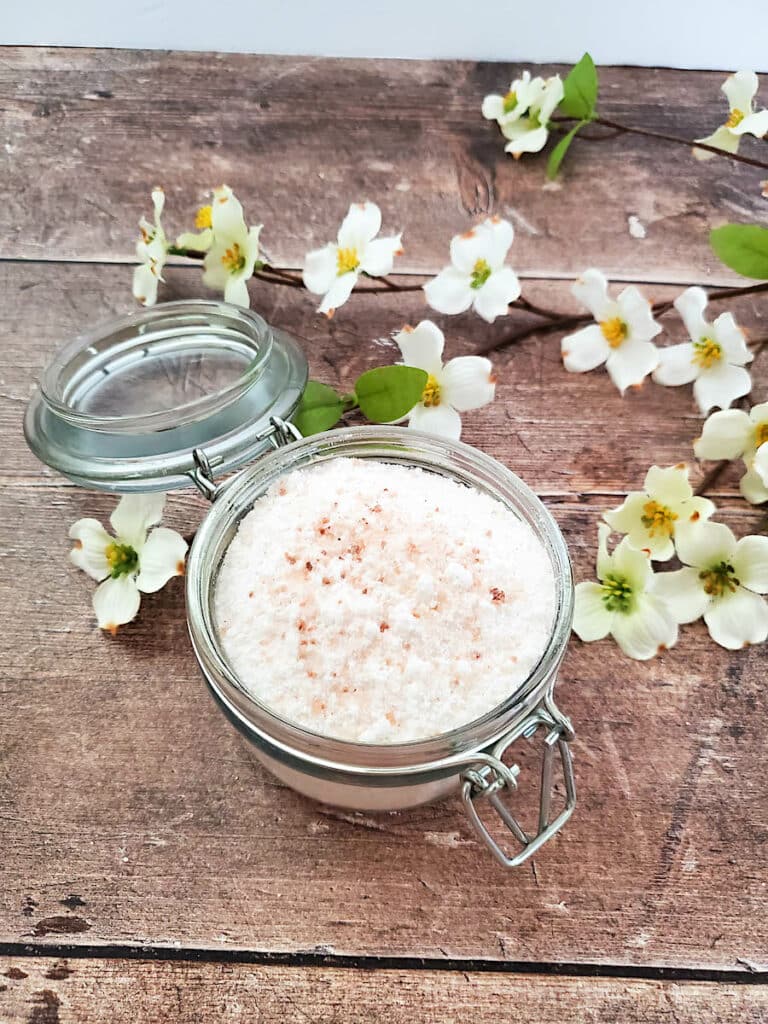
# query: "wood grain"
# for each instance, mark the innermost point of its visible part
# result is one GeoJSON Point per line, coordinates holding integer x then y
{"type": "Point", "coordinates": [88, 133]}
{"type": "Point", "coordinates": [50, 991]}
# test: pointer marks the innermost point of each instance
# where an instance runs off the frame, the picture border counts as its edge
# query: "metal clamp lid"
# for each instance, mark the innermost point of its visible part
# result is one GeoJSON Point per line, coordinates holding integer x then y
{"type": "Point", "coordinates": [489, 779]}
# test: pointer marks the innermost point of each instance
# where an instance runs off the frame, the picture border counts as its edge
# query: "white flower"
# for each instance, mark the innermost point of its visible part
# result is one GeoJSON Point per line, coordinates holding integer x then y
{"type": "Point", "coordinates": [734, 434]}
{"type": "Point", "coordinates": [333, 271]}
{"type": "Point", "coordinates": [624, 603]}
{"type": "Point", "coordinates": [464, 383]}
{"type": "Point", "coordinates": [131, 562]}
{"type": "Point", "coordinates": [722, 581]}
{"type": "Point", "coordinates": [152, 251]}
{"type": "Point", "coordinates": [621, 338]}
{"type": "Point", "coordinates": [656, 516]}
{"type": "Point", "coordinates": [234, 248]}
{"type": "Point", "coordinates": [713, 359]}
{"type": "Point", "coordinates": [200, 240]}
{"type": "Point", "coordinates": [740, 90]}
{"type": "Point", "coordinates": [523, 113]}
{"type": "Point", "coordinates": [477, 276]}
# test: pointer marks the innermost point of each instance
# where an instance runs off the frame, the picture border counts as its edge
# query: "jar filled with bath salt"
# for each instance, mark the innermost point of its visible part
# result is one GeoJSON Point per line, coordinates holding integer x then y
{"type": "Point", "coordinates": [381, 614]}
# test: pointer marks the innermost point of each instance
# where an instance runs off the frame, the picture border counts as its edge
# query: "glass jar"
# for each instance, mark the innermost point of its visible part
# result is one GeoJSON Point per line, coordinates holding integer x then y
{"type": "Point", "coordinates": [186, 392]}
{"type": "Point", "coordinates": [379, 777]}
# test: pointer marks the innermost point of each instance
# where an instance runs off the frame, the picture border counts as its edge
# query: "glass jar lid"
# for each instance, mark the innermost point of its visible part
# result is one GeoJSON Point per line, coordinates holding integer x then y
{"type": "Point", "coordinates": [124, 406]}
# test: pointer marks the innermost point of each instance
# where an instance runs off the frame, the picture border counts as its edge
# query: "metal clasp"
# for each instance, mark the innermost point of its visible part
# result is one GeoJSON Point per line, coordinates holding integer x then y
{"type": "Point", "coordinates": [493, 777]}
{"type": "Point", "coordinates": [280, 433]}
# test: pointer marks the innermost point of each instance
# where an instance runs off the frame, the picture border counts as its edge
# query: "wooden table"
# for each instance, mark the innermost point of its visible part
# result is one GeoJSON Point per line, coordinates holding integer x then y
{"type": "Point", "coordinates": [149, 871]}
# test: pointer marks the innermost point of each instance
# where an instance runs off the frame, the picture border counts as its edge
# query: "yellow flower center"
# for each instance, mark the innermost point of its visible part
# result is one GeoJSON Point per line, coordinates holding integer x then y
{"type": "Point", "coordinates": [617, 593]}
{"type": "Point", "coordinates": [346, 261]}
{"type": "Point", "coordinates": [510, 101]}
{"type": "Point", "coordinates": [614, 331]}
{"type": "Point", "coordinates": [204, 218]}
{"type": "Point", "coordinates": [761, 434]}
{"type": "Point", "coordinates": [233, 258]}
{"type": "Point", "coordinates": [121, 559]}
{"type": "Point", "coordinates": [480, 273]}
{"type": "Point", "coordinates": [706, 353]}
{"type": "Point", "coordinates": [735, 118]}
{"type": "Point", "coordinates": [431, 394]}
{"type": "Point", "coordinates": [719, 579]}
{"type": "Point", "coordinates": [657, 518]}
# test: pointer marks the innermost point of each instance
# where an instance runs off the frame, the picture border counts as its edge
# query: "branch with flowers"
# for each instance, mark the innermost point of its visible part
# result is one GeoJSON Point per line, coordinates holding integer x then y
{"type": "Point", "coordinates": [719, 578]}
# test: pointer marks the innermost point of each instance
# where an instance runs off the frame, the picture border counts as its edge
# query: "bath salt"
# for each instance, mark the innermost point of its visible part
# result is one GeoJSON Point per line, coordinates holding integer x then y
{"type": "Point", "coordinates": [380, 603]}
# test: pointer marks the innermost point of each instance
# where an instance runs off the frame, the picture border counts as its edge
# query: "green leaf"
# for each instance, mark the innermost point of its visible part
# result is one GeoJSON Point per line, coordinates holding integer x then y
{"type": "Point", "coordinates": [743, 248]}
{"type": "Point", "coordinates": [557, 154]}
{"type": "Point", "coordinates": [320, 409]}
{"type": "Point", "coordinates": [389, 392]}
{"type": "Point", "coordinates": [580, 90]}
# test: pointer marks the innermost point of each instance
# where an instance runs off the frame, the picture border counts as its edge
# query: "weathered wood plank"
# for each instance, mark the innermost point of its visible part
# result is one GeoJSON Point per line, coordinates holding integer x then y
{"type": "Point", "coordinates": [564, 433]}
{"type": "Point", "coordinates": [123, 991]}
{"type": "Point", "coordinates": [132, 812]}
{"type": "Point", "coordinates": [87, 133]}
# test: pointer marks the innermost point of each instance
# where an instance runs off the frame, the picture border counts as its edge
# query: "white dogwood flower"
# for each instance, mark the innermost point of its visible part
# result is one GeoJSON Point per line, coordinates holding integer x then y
{"type": "Point", "coordinates": [200, 240]}
{"type": "Point", "coordinates": [735, 434]}
{"type": "Point", "coordinates": [655, 517]}
{"type": "Point", "coordinates": [464, 383]}
{"type": "Point", "coordinates": [723, 580]}
{"type": "Point", "coordinates": [528, 130]}
{"type": "Point", "coordinates": [713, 359]}
{"type": "Point", "coordinates": [233, 250]}
{"type": "Point", "coordinates": [624, 603]}
{"type": "Point", "coordinates": [130, 563]}
{"type": "Point", "coordinates": [621, 337]}
{"type": "Point", "coordinates": [152, 251]}
{"type": "Point", "coordinates": [477, 276]}
{"type": "Point", "coordinates": [740, 89]}
{"type": "Point", "coordinates": [333, 271]}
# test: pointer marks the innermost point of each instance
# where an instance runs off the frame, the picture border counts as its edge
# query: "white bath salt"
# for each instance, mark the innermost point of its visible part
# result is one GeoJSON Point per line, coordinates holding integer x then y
{"type": "Point", "coordinates": [380, 603]}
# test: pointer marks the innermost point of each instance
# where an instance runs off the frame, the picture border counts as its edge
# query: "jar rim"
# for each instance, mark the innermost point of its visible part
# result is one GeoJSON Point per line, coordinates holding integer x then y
{"type": "Point", "coordinates": [390, 444]}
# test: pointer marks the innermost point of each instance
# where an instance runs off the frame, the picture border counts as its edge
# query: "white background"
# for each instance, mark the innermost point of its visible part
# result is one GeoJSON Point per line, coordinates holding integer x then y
{"type": "Point", "coordinates": [678, 33]}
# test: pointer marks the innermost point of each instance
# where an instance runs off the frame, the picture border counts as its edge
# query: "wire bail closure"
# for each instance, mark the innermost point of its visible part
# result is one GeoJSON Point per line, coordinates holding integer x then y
{"type": "Point", "coordinates": [491, 778]}
{"type": "Point", "coordinates": [280, 433]}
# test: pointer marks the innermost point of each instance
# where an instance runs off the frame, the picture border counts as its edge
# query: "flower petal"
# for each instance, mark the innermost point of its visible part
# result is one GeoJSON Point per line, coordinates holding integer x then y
{"type": "Point", "coordinates": [493, 299]}
{"type": "Point", "coordinates": [683, 593]}
{"type": "Point", "coordinates": [361, 224]}
{"type": "Point", "coordinates": [731, 337]}
{"type": "Point", "coordinates": [422, 347]}
{"type": "Point", "coordinates": [439, 420]}
{"type": "Point", "coordinates": [759, 413]}
{"type": "Point", "coordinates": [585, 349]}
{"type": "Point", "coordinates": [723, 138]}
{"type": "Point", "coordinates": [320, 269]}
{"type": "Point", "coordinates": [760, 462]}
{"type": "Point", "coordinates": [721, 385]}
{"type": "Point", "coordinates": [642, 633]}
{"type": "Point", "coordinates": [145, 281]}
{"type": "Point", "coordinates": [499, 235]}
{"type": "Point", "coordinates": [634, 564]}
{"type": "Point", "coordinates": [199, 241]}
{"type": "Point", "coordinates": [754, 124]}
{"type": "Point", "coordinates": [236, 292]}
{"type": "Point", "coordinates": [753, 488]}
{"type": "Point", "coordinates": [740, 89]}
{"type": "Point", "coordinates": [625, 517]}
{"type": "Point", "coordinates": [338, 293]}
{"type": "Point", "coordinates": [737, 619]}
{"type": "Point", "coordinates": [604, 560]}
{"type": "Point", "coordinates": [378, 257]}
{"type": "Point", "coordinates": [467, 382]}
{"type": "Point", "coordinates": [90, 550]}
{"type": "Point", "coordinates": [628, 519]}
{"type": "Point", "coordinates": [525, 137]}
{"type": "Point", "coordinates": [637, 312]}
{"type": "Point", "coordinates": [449, 292]}
{"type": "Point", "coordinates": [493, 107]}
{"type": "Point", "coordinates": [227, 214]}
{"type": "Point", "coordinates": [706, 545]}
{"type": "Point", "coordinates": [725, 435]}
{"type": "Point", "coordinates": [116, 601]}
{"type": "Point", "coordinates": [691, 305]}
{"type": "Point", "coordinates": [161, 558]}
{"type": "Point", "coordinates": [631, 362]}
{"type": "Point", "coordinates": [668, 485]}
{"type": "Point", "coordinates": [591, 619]}
{"type": "Point", "coordinates": [750, 560]}
{"type": "Point", "coordinates": [469, 247]}
{"type": "Point", "coordinates": [553, 94]}
{"type": "Point", "coordinates": [591, 289]}
{"type": "Point", "coordinates": [676, 365]}
{"type": "Point", "coordinates": [134, 515]}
